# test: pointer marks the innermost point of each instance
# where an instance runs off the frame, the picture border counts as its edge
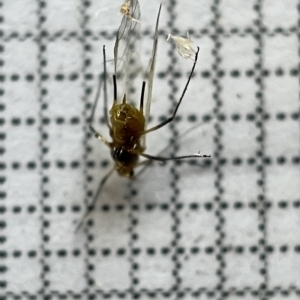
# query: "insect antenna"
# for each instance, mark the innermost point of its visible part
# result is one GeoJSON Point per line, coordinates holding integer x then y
{"type": "Point", "coordinates": [179, 102]}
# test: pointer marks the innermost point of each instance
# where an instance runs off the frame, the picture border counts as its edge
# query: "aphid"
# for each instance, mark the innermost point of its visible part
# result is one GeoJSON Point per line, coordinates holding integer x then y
{"type": "Point", "coordinates": [128, 124]}
{"type": "Point", "coordinates": [183, 45]}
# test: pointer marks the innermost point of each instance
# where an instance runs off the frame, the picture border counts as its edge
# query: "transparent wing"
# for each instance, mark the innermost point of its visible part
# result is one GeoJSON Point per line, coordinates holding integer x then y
{"type": "Point", "coordinates": [126, 60]}
{"type": "Point", "coordinates": [149, 74]}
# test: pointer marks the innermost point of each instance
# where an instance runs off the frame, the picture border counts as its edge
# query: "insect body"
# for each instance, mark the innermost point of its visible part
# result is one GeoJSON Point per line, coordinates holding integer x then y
{"type": "Point", "coordinates": [127, 127]}
{"type": "Point", "coordinates": [128, 124]}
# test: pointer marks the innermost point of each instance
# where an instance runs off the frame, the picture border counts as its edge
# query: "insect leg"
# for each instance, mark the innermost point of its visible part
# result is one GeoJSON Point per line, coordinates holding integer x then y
{"type": "Point", "coordinates": [179, 102]}
{"type": "Point", "coordinates": [147, 162]}
{"type": "Point", "coordinates": [151, 158]}
{"type": "Point", "coordinates": [160, 158]}
{"type": "Point", "coordinates": [92, 205]}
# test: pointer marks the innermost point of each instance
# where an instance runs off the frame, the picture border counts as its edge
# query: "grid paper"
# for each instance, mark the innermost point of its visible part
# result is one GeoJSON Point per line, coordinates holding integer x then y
{"type": "Point", "coordinates": [230, 229]}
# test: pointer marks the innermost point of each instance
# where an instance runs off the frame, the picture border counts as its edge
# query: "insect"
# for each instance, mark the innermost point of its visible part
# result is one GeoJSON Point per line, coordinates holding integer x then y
{"type": "Point", "coordinates": [183, 45]}
{"type": "Point", "coordinates": [128, 124]}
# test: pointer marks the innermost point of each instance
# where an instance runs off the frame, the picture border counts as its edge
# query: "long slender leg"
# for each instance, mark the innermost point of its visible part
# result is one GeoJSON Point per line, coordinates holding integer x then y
{"type": "Point", "coordinates": [98, 135]}
{"type": "Point", "coordinates": [92, 205]}
{"type": "Point", "coordinates": [151, 158]}
{"type": "Point", "coordinates": [147, 162]}
{"type": "Point", "coordinates": [179, 102]}
{"type": "Point", "coordinates": [160, 158]}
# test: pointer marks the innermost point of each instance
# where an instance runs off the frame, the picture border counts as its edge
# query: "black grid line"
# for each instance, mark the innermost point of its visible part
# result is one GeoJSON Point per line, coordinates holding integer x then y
{"type": "Point", "coordinates": [44, 149]}
{"type": "Point", "coordinates": [241, 292]}
{"type": "Point", "coordinates": [261, 152]}
{"type": "Point", "coordinates": [95, 36]}
{"type": "Point", "coordinates": [86, 60]}
{"type": "Point", "coordinates": [217, 96]}
{"type": "Point", "coordinates": [173, 172]}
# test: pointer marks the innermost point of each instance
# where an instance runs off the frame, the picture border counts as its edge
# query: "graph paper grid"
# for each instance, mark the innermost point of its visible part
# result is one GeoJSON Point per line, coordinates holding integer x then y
{"type": "Point", "coordinates": [223, 228]}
